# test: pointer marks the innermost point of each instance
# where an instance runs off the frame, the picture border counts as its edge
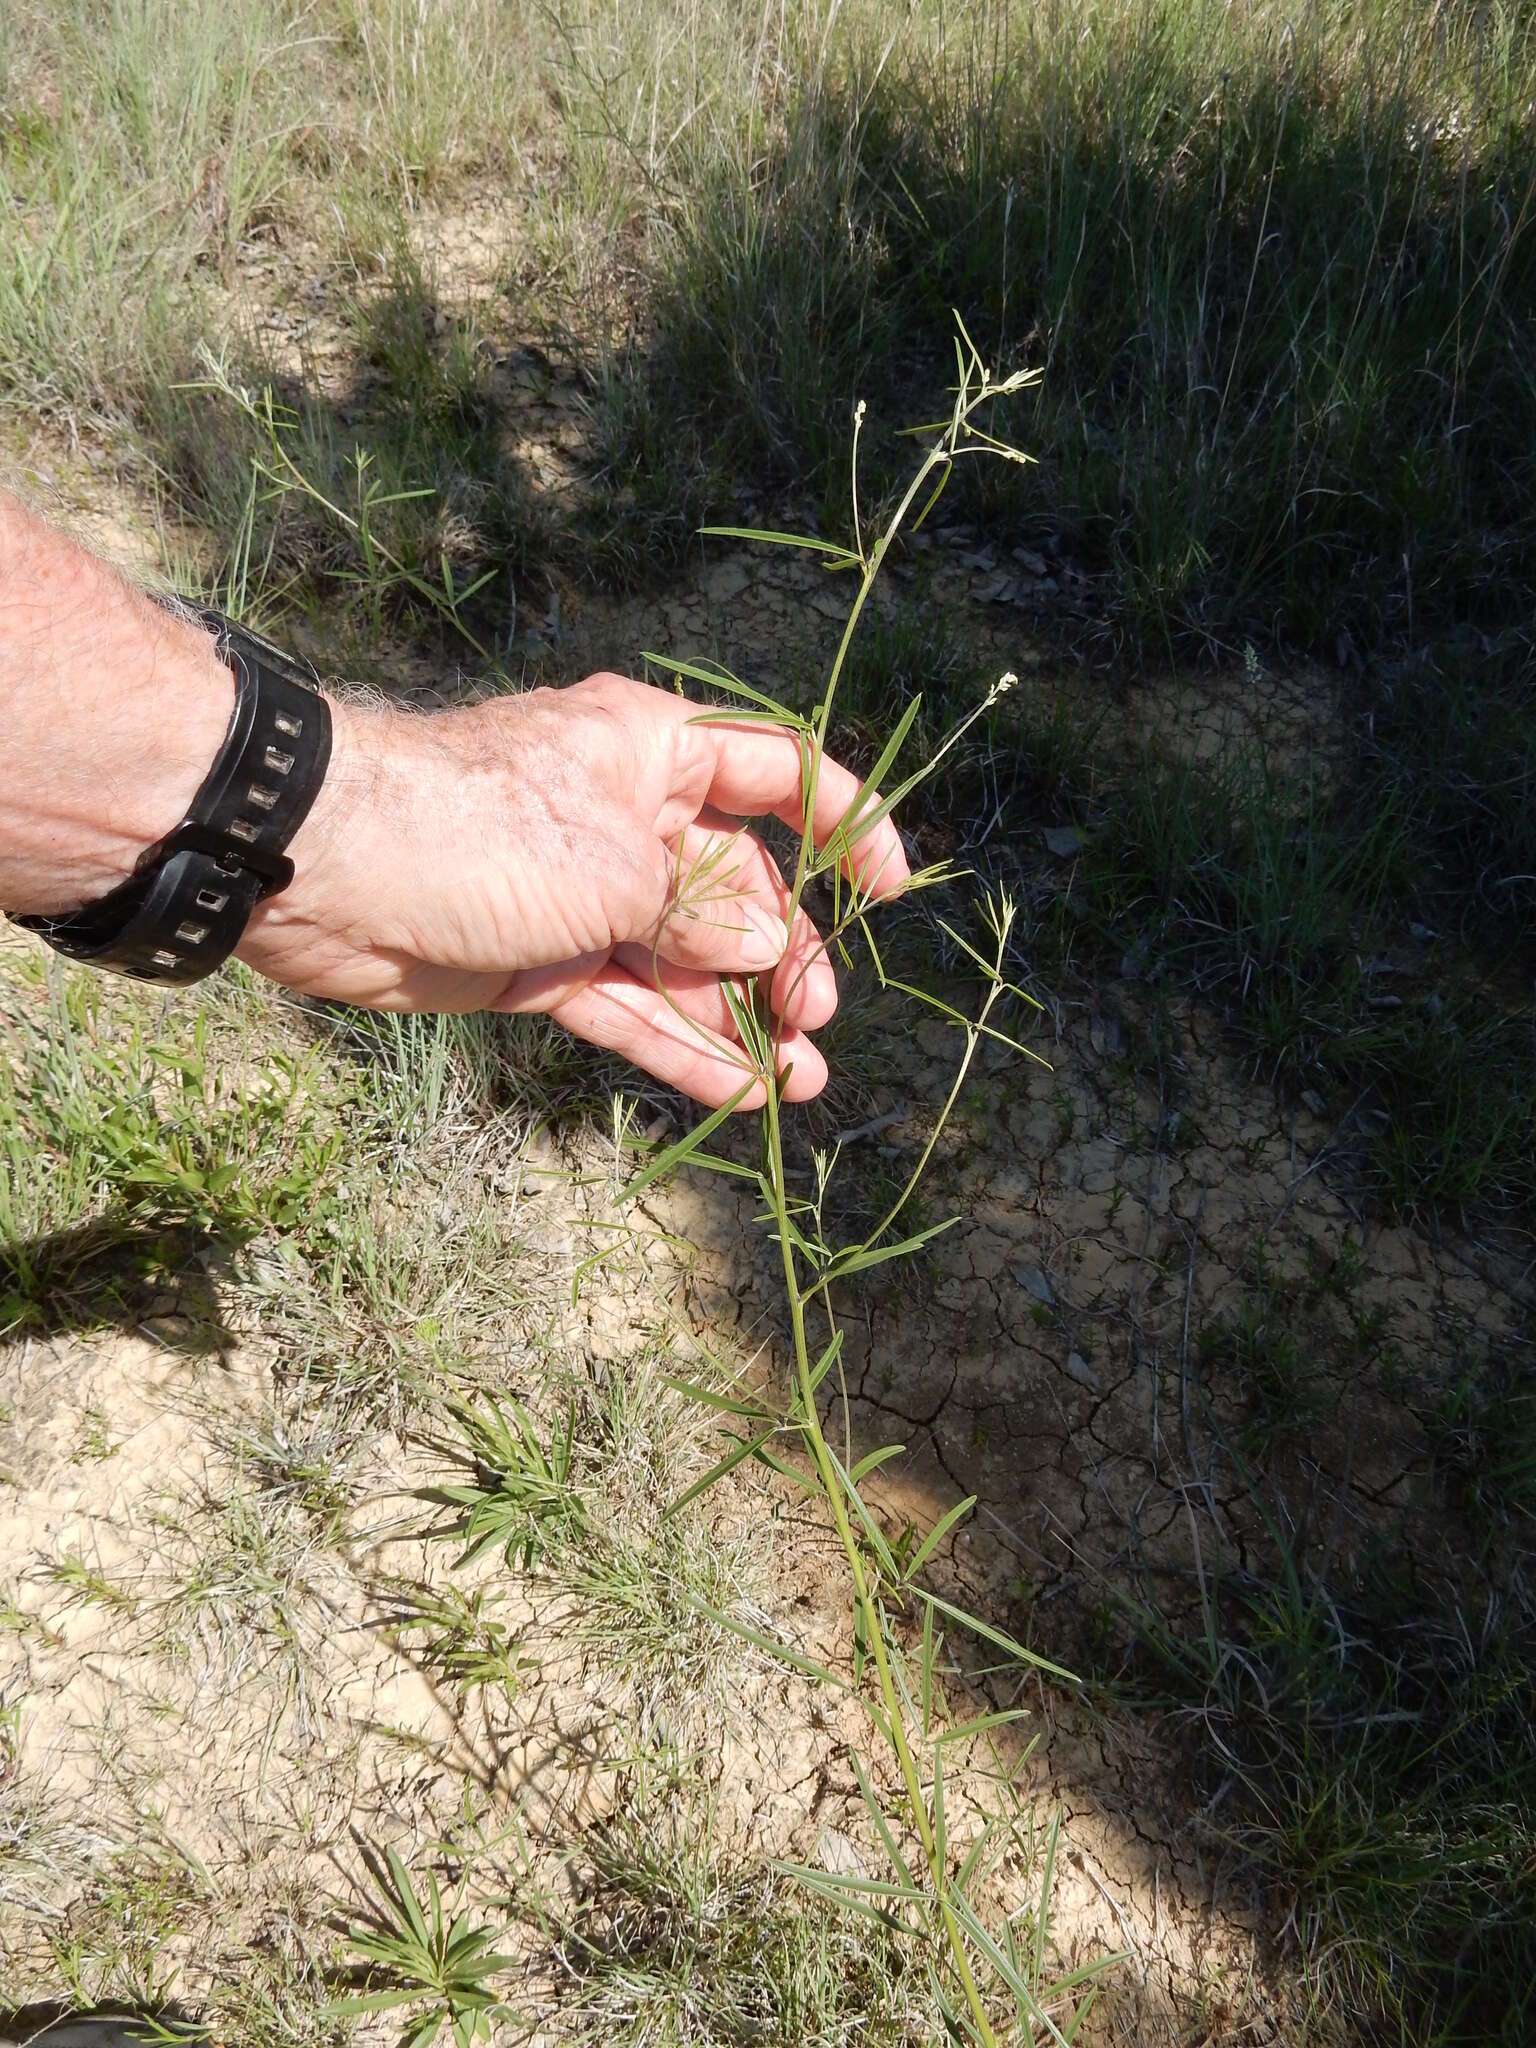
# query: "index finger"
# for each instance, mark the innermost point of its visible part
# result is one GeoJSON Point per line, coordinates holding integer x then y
{"type": "Point", "coordinates": [758, 768]}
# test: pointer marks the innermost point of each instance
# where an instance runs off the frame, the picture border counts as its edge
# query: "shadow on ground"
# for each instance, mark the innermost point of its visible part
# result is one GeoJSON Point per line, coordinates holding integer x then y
{"type": "Point", "coordinates": [109, 1274]}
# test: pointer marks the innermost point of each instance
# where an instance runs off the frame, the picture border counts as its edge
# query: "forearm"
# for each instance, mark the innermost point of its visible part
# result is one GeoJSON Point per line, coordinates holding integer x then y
{"type": "Point", "coordinates": [578, 851]}
{"type": "Point", "coordinates": [111, 712]}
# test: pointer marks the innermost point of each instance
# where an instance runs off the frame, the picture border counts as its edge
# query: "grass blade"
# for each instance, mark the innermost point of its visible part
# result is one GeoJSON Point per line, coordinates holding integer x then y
{"type": "Point", "coordinates": [874, 1459]}
{"type": "Point", "coordinates": [741, 1450]}
{"type": "Point", "coordinates": [708, 1398]}
{"type": "Point", "coordinates": [860, 1261]}
{"type": "Point", "coordinates": [722, 679]}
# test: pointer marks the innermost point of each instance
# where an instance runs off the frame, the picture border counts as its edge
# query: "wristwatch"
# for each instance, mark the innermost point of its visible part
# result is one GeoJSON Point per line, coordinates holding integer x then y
{"type": "Point", "coordinates": [182, 911]}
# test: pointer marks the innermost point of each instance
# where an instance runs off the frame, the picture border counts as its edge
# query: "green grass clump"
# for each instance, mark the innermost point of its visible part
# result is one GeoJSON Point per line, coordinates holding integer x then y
{"type": "Point", "coordinates": [1452, 739]}
{"type": "Point", "coordinates": [1361, 1740]}
{"type": "Point", "coordinates": [122, 1150]}
{"type": "Point", "coordinates": [1279, 275]}
{"type": "Point", "coordinates": [674, 1943]}
{"type": "Point", "coordinates": [397, 509]}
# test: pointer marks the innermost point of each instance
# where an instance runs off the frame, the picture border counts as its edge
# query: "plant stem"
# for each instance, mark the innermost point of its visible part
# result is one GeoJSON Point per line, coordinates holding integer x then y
{"type": "Point", "coordinates": [893, 1723]}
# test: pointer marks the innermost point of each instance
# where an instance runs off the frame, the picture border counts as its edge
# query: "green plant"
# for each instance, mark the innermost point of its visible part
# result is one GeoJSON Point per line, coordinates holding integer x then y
{"type": "Point", "coordinates": [927, 1893]}
{"type": "Point", "coordinates": [520, 1491]}
{"type": "Point", "coordinates": [1360, 1740]}
{"type": "Point", "coordinates": [391, 540]}
{"type": "Point", "coordinates": [1483, 1433]}
{"type": "Point", "coordinates": [1279, 271]}
{"type": "Point", "coordinates": [445, 1962]}
{"type": "Point", "coordinates": [118, 1148]}
{"type": "Point", "coordinates": [461, 1637]}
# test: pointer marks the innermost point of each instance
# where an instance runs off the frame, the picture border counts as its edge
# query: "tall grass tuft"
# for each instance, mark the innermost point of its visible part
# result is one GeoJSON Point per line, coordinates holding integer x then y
{"type": "Point", "coordinates": [1279, 270]}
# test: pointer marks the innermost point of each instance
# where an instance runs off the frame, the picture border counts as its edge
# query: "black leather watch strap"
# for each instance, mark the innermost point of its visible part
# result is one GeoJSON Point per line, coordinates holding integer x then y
{"type": "Point", "coordinates": [182, 911]}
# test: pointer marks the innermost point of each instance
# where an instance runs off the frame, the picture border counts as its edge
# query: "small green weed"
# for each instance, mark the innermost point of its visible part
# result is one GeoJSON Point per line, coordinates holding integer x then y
{"type": "Point", "coordinates": [1288, 1348]}
{"type": "Point", "coordinates": [672, 1944]}
{"type": "Point", "coordinates": [1484, 1436]}
{"type": "Point", "coordinates": [1272, 901]}
{"type": "Point", "coordinates": [521, 1497]}
{"type": "Point", "coordinates": [125, 1134]}
{"type": "Point", "coordinates": [461, 1637]}
{"type": "Point", "coordinates": [438, 1958]}
{"type": "Point", "coordinates": [86, 1585]}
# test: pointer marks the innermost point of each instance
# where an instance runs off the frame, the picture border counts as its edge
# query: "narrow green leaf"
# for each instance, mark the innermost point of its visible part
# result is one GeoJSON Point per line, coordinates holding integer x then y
{"type": "Point", "coordinates": [860, 1261]}
{"type": "Point", "coordinates": [938, 1532]}
{"type": "Point", "coordinates": [980, 1723]}
{"type": "Point", "coordinates": [874, 1459]}
{"type": "Point", "coordinates": [368, 2001]}
{"type": "Point", "coordinates": [749, 1027]}
{"type": "Point", "coordinates": [769, 1647]}
{"type": "Point", "coordinates": [776, 719]}
{"type": "Point", "coordinates": [927, 1671]}
{"type": "Point", "coordinates": [946, 471]}
{"type": "Point", "coordinates": [1046, 1880]}
{"type": "Point", "coordinates": [852, 826]}
{"type": "Point", "coordinates": [871, 1528]}
{"type": "Point", "coordinates": [407, 1897]}
{"type": "Point", "coordinates": [838, 1881]}
{"type": "Point", "coordinates": [721, 679]}
{"type": "Point", "coordinates": [966, 1914]}
{"type": "Point", "coordinates": [711, 1162]}
{"type": "Point", "coordinates": [804, 1480]}
{"type": "Point", "coordinates": [708, 1398]}
{"type": "Point", "coordinates": [784, 540]}
{"type": "Point", "coordinates": [877, 1814]}
{"type": "Point", "coordinates": [819, 1371]}
{"type": "Point", "coordinates": [742, 1449]}
{"type": "Point", "coordinates": [675, 1155]}
{"type": "Point", "coordinates": [967, 1869]}
{"type": "Point", "coordinates": [980, 1628]}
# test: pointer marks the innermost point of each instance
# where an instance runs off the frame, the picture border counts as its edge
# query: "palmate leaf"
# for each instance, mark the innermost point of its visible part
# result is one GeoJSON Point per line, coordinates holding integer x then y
{"type": "Point", "coordinates": [445, 1960]}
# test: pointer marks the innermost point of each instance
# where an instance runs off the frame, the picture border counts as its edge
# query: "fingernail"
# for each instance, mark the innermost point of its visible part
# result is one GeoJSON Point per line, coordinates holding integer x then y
{"type": "Point", "coordinates": [765, 938]}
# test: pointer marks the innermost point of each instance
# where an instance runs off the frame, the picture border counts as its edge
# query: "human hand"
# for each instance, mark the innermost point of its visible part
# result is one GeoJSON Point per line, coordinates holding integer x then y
{"type": "Point", "coordinates": [568, 851]}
